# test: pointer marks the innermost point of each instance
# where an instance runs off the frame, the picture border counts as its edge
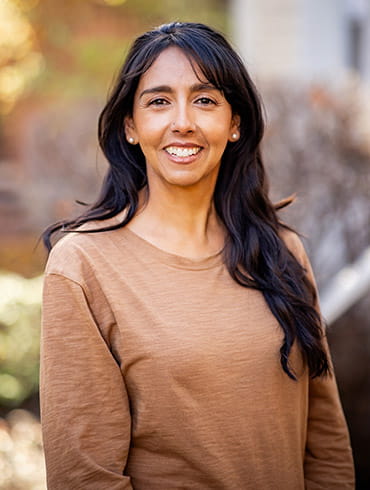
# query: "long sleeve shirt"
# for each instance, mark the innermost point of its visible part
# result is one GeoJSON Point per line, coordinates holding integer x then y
{"type": "Point", "coordinates": [159, 372]}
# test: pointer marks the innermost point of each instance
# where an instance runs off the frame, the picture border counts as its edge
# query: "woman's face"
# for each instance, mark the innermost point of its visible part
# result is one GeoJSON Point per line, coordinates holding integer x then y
{"type": "Point", "coordinates": [181, 122]}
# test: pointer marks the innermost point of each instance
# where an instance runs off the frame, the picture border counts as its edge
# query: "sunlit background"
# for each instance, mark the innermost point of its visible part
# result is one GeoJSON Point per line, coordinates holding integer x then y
{"type": "Point", "coordinates": [311, 62]}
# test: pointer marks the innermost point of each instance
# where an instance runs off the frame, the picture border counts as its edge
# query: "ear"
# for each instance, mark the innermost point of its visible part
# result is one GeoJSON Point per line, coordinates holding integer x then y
{"type": "Point", "coordinates": [130, 130]}
{"type": "Point", "coordinates": [234, 133]}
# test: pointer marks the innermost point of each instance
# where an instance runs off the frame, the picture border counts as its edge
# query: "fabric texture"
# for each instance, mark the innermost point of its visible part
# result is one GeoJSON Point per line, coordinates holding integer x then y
{"type": "Point", "coordinates": [161, 373]}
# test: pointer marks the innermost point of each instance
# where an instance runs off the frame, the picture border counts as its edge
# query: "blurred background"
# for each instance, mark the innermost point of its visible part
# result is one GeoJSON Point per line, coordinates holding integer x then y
{"type": "Point", "coordinates": [311, 62]}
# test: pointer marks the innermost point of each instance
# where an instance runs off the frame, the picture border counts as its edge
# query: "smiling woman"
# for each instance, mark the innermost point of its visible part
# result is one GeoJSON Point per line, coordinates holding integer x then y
{"type": "Point", "coordinates": [182, 343]}
{"type": "Point", "coordinates": [183, 124]}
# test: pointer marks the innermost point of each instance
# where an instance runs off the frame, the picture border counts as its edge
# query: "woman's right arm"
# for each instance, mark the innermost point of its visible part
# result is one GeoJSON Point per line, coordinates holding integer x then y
{"type": "Point", "coordinates": [84, 404]}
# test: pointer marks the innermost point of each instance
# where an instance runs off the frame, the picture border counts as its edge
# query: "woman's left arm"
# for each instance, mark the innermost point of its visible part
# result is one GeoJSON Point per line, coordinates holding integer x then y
{"type": "Point", "coordinates": [328, 462]}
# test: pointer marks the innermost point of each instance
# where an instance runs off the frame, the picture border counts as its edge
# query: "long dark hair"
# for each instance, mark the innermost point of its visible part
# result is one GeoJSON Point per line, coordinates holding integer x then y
{"type": "Point", "coordinates": [254, 253]}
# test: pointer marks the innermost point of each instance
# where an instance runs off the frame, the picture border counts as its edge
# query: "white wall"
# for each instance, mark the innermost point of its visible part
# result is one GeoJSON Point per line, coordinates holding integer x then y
{"type": "Point", "coordinates": [263, 30]}
{"type": "Point", "coordinates": [299, 39]}
{"type": "Point", "coordinates": [321, 39]}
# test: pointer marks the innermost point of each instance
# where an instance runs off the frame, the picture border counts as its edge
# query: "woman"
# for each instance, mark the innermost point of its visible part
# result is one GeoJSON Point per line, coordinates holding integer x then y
{"type": "Point", "coordinates": [182, 346]}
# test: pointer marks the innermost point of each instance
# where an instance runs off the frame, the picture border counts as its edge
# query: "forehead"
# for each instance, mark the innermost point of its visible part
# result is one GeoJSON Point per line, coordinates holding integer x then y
{"type": "Point", "coordinates": [173, 68]}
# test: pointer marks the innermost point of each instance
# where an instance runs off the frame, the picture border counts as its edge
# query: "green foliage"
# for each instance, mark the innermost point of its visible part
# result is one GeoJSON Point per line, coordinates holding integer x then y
{"type": "Point", "coordinates": [98, 60]}
{"type": "Point", "coordinates": [19, 337]}
{"type": "Point", "coordinates": [212, 12]}
{"type": "Point", "coordinates": [93, 64]}
{"type": "Point", "coordinates": [83, 43]}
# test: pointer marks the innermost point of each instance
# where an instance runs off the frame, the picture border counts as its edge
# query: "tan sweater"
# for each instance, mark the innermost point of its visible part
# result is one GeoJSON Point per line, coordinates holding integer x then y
{"type": "Point", "coordinates": [161, 373]}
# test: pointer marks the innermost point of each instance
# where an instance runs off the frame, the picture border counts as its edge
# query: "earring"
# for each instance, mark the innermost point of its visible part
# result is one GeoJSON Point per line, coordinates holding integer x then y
{"type": "Point", "coordinates": [131, 140]}
{"type": "Point", "coordinates": [234, 136]}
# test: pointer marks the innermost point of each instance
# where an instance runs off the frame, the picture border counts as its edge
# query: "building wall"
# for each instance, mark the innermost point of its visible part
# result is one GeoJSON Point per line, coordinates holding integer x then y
{"type": "Point", "coordinates": [303, 39]}
{"type": "Point", "coordinates": [263, 31]}
{"type": "Point", "coordinates": [321, 39]}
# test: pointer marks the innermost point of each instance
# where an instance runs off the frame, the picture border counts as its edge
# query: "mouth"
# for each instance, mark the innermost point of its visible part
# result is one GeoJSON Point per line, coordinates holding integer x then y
{"type": "Point", "coordinates": [182, 152]}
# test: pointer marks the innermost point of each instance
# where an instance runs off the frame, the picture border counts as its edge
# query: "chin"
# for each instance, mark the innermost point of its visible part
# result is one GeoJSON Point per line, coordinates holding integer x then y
{"type": "Point", "coordinates": [182, 179]}
{"type": "Point", "coordinates": [183, 182]}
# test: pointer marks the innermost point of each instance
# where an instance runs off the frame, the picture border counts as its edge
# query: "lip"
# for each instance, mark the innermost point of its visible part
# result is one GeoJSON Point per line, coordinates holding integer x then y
{"type": "Point", "coordinates": [183, 160]}
{"type": "Point", "coordinates": [181, 144]}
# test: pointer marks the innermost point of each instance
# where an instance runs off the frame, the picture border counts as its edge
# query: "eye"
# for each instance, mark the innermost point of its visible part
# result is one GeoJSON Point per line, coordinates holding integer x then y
{"type": "Point", "coordinates": [205, 101]}
{"type": "Point", "coordinates": [158, 102]}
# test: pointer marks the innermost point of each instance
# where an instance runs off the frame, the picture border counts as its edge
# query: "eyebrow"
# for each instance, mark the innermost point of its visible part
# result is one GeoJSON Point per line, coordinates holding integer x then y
{"type": "Point", "coordinates": [197, 87]}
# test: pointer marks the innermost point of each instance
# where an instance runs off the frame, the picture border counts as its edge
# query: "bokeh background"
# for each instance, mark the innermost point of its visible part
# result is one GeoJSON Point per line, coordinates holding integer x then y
{"type": "Point", "coordinates": [311, 62]}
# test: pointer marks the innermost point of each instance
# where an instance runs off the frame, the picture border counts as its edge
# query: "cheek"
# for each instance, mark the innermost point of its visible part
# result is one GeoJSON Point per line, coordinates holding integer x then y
{"type": "Point", "coordinates": [149, 126]}
{"type": "Point", "coordinates": [218, 128]}
{"type": "Point", "coordinates": [219, 136]}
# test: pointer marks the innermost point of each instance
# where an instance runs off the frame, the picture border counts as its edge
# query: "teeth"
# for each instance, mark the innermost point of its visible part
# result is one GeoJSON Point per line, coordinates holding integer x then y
{"type": "Point", "coordinates": [182, 152]}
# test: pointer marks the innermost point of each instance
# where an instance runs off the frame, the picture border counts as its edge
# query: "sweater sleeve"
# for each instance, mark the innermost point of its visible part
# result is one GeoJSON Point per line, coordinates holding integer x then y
{"type": "Point", "coordinates": [328, 463]}
{"type": "Point", "coordinates": [84, 404]}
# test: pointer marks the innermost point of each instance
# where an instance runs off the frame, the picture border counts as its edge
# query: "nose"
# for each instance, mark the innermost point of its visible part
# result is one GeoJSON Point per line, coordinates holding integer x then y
{"type": "Point", "coordinates": [183, 120]}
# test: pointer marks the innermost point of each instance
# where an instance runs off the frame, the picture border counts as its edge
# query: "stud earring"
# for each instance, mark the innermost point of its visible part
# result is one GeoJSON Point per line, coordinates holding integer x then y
{"type": "Point", "coordinates": [234, 136]}
{"type": "Point", "coordinates": [131, 140]}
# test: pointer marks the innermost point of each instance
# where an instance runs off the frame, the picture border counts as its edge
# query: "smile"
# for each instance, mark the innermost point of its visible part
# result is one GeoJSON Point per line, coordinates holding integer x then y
{"type": "Point", "coordinates": [182, 152]}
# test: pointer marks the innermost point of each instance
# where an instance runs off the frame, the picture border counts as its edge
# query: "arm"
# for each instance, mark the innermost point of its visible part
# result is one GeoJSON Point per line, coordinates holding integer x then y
{"type": "Point", "coordinates": [328, 463]}
{"type": "Point", "coordinates": [84, 405]}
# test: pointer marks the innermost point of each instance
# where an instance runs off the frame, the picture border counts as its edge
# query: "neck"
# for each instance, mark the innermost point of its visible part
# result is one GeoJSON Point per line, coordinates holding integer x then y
{"type": "Point", "coordinates": [180, 220]}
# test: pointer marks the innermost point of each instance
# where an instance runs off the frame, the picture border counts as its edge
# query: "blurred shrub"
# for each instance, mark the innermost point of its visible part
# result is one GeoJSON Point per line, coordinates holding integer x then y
{"type": "Point", "coordinates": [317, 145]}
{"type": "Point", "coordinates": [21, 457]}
{"type": "Point", "coordinates": [20, 61]}
{"type": "Point", "coordinates": [19, 337]}
{"type": "Point", "coordinates": [19, 254]}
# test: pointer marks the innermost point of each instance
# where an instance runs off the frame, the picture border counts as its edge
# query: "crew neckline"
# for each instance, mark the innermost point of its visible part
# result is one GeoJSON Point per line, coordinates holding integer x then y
{"type": "Point", "coordinates": [172, 259]}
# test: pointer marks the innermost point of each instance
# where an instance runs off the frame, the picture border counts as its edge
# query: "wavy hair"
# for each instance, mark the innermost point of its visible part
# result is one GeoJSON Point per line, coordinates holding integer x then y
{"type": "Point", "coordinates": [254, 253]}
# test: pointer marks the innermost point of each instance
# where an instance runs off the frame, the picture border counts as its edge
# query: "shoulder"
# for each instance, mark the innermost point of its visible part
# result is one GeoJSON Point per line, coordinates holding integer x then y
{"type": "Point", "coordinates": [67, 254]}
{"type": "Point", "coordinates": [294, 245]}
{"type": "Point", "coordinates": [79, 252]}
